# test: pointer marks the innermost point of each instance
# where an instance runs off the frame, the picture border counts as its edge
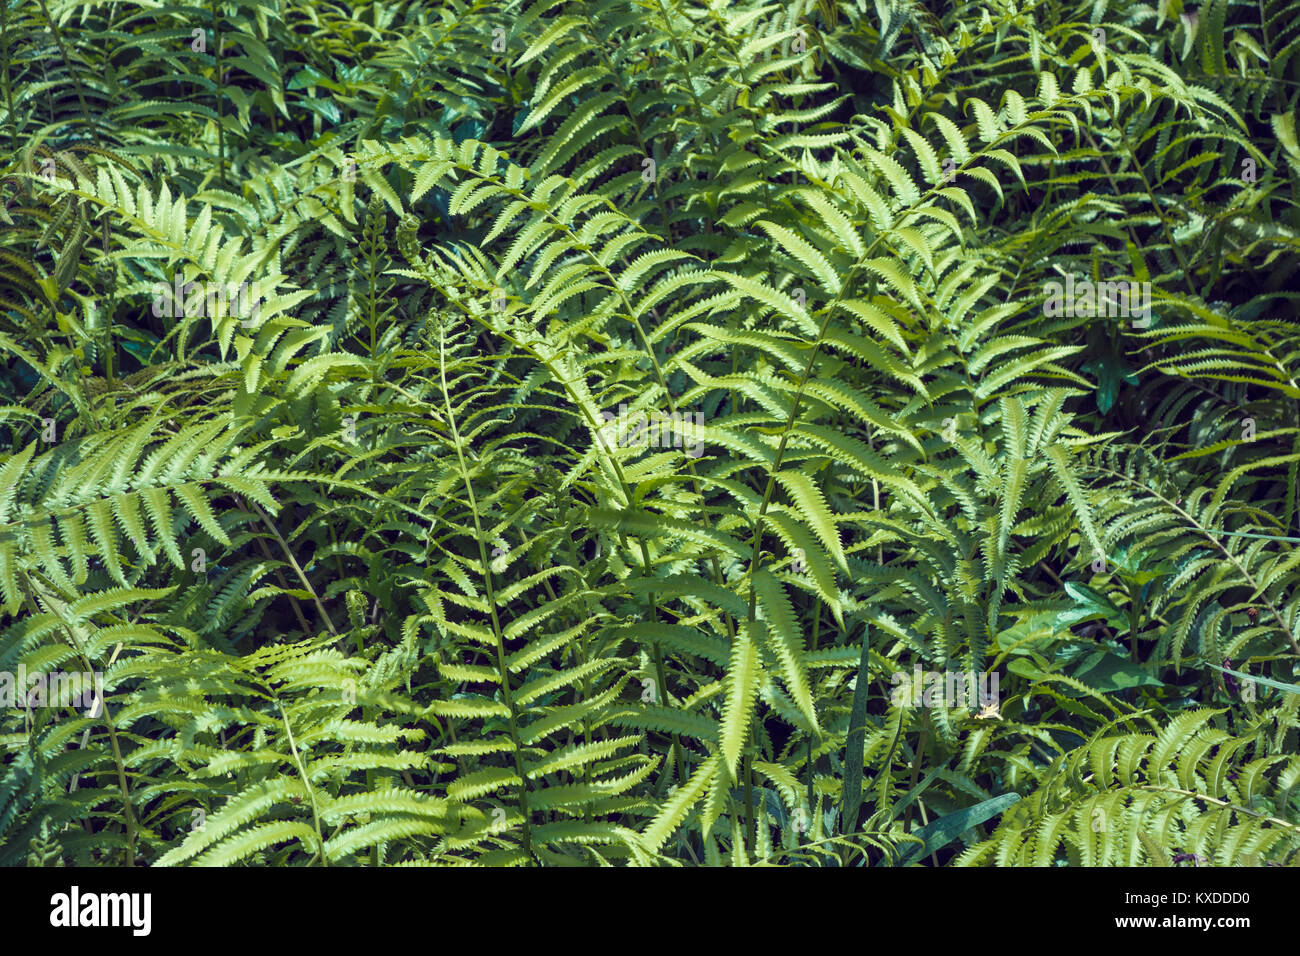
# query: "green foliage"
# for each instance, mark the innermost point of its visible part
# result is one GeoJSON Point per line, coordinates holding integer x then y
{"type": "Point", "coordinates": [636, 394]}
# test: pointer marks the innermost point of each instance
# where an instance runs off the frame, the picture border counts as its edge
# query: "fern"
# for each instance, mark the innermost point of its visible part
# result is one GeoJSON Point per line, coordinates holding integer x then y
{"type": "Point", "coordinates": [639, 397]}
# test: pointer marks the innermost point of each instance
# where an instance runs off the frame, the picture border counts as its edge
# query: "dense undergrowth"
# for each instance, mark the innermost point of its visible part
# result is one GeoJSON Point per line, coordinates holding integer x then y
{"type": "Point", "coordinates": [636, 416]}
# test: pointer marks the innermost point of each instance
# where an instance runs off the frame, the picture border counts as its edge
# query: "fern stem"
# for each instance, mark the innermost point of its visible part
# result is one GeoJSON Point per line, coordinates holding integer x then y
{"type": "Point", "coordinates": [1222, 803]}
{"type": "Point", "coordinates": [1292, 476]}
{"type": "Point", "coordinates": [610, 461]}
{"type": "Point", "coordinates": [294, 604]}
{"type": "Point", "coordinates": [925, 821]}
{"type": "Point", "coordinates": [72, 71]}
{"type": "Point", "coordinates": [121, 775]}
{"type": "Point", "coordinates": [306, 780]}
{"type": "Point", "coordinates": [4, 75]}
{"type": "Point", "coordinates": [814, 807]}
{"type": "Point", "coordinates": [916, 767]}
{"type": "Point", "coordinates": [678, 759]}
{"type": "Point", "coordinates": [221, 126]}
{"type": "Point", "coordinates": [1134, 615]}
{"type": "Point", "coordinates": [636, 128]}
{"type": "Point", "coordinates": [751, 824]}
{"type": "Point", "coordinates": [686, 62]}
{"type": "Point", "coordinates": [875, 501]}
{"type": "Point", "coordinates": [293, 562]}
{"type": "Point", "coordinates": [633, 316]}
{"type": "Point", "coordinates": [785, 437]}
{"type": "Point", "coordinates": [119, 763]}
{"type": "Point", "coordinates": [854, 741]}
{"type": "Point", "coordinates": [1164, 222]}
{"type": "Point", "coordinates": [812, 777]}
{"type": "Point", "coordinates": [503, 670]}
{"type": "Point", "coordinates": [756, 534]}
